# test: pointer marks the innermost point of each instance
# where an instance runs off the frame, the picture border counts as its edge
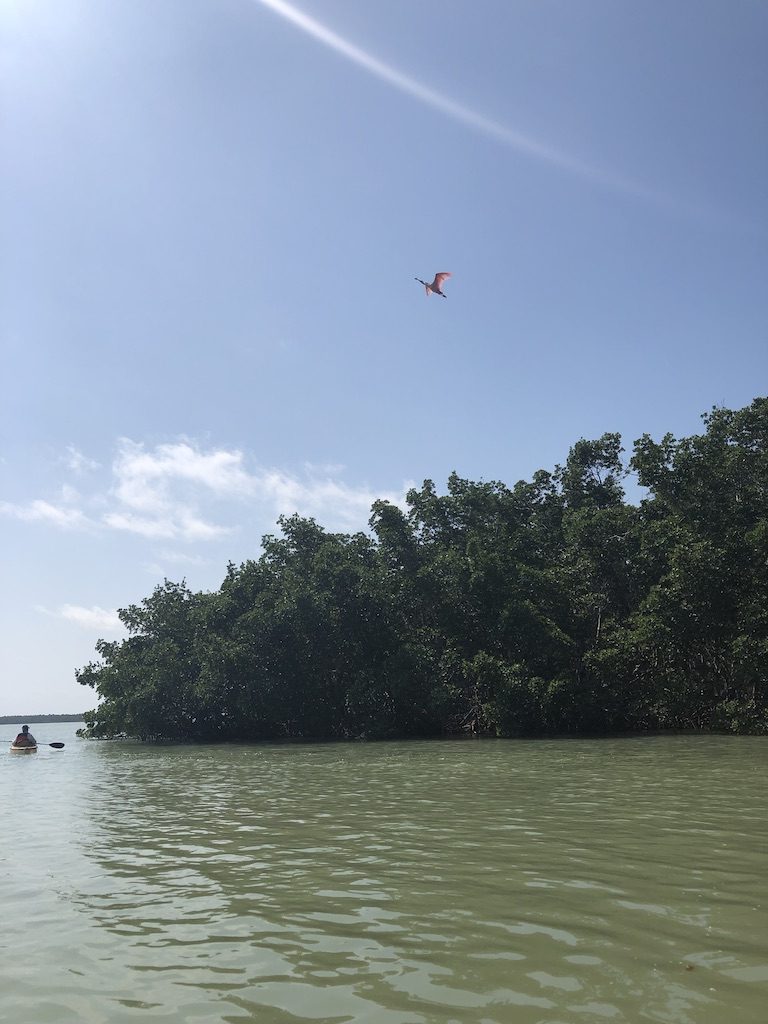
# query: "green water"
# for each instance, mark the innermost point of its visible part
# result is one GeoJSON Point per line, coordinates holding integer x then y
{"type": "Point", "coordinates": [546, 882]}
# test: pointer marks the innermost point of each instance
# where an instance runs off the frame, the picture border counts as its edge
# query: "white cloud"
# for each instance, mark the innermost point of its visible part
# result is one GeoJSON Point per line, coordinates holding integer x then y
{"type": "Point", "coordinates": [174, 523]}
{"type": "Point", "coordinates": [144, 478]}
{"type": "Point", "coordinates": [155, 529]}
{"type": "Point", "coordinates": [182, 492]}
{"type": "Point", "coordinates": [67, 518]}
{"type": "Point", "coordinates": [78, 462]}
{"type": "Point", "coordinates": [70, 495]}
{"type": "Point", "coordinates": [324, 468]}
{"type": "Point", "coordinates": [88, 618]}
{"type": "Point", "coordinates": [160, 490]}
{"type": "Point", "coordinates": [180, 558]}
{"type": "Point", "coordinates": [330, 501]}
{"type": "Point", "coordinates": [91, 618]}
{"type": "Point", "coordinates": [168, 557]}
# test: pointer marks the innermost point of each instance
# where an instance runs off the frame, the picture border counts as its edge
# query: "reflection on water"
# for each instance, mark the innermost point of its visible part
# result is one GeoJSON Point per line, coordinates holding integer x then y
{"type": "Point", "coordinates": [476, 882]}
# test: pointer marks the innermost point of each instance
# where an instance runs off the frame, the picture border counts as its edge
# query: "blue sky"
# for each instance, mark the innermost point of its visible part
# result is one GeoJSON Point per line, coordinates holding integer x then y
{"type": "Point", "coordinates": [213, 212]}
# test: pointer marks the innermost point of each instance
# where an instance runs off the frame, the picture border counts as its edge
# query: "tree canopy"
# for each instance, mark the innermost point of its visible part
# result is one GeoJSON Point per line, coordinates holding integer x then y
{"type": "Point", "coordinates": [551, 607]}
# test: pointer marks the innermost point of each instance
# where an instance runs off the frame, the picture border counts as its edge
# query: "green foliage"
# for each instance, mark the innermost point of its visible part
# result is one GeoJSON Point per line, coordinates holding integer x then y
{"type": "Point", "coordinates": [552, 607]}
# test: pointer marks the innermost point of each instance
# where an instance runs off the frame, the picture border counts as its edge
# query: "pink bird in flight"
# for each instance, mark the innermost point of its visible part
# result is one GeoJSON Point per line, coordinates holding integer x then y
{"type": "Point", "coordinates": [436, 284]}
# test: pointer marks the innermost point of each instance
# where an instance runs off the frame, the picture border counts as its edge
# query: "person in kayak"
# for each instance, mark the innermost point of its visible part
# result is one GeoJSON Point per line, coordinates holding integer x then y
{"type": "Point", "coordinates": [25, 738]}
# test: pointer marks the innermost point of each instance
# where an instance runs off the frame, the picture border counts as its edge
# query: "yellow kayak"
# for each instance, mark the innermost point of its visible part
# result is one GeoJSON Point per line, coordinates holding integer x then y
{"type": "Point", "coordinates": [24, 750]}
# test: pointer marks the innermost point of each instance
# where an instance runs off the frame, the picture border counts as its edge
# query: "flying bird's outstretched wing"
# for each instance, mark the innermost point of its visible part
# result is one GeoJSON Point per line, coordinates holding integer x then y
{"type": "Point", "coordinates": [439, 278]}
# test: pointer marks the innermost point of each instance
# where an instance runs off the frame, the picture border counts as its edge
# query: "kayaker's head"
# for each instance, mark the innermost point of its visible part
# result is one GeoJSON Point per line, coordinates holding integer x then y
{"type": "Point", "coordinates": [25, 729]}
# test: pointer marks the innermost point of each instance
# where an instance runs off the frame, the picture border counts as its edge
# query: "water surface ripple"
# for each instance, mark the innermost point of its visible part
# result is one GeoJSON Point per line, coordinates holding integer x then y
{"type": "Point", "coordinates": [547, 882]}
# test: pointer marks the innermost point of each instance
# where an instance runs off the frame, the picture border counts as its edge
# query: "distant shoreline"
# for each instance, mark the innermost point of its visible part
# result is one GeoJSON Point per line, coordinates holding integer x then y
{"type": "Point", "coordinates": [10, 719]}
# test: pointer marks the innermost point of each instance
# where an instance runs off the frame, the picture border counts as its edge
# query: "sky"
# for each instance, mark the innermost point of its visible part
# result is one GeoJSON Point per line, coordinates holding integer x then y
{"type": "Point", "coordinates": [212, 213]}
